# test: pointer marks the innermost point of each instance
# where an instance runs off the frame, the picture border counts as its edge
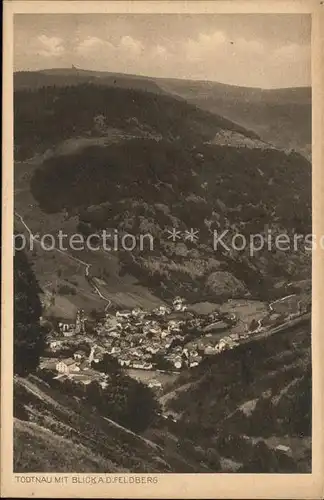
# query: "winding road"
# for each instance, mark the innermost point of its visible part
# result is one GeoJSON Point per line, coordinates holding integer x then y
{"type": "Point", "coordinates": [280, 300]}
{"type": "Point", "coordinates": [34, 238]}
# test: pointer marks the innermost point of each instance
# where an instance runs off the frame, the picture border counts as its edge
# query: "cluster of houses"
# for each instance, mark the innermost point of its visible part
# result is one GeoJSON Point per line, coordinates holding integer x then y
{"type": "Point", "coordinates": [167, 338]}
{"type": "Point", "coordinates": [78, 368]}
{"type": "Point", "coordinates": [138, 339]}
{"type": "Point", "coordinates": [162, 337]}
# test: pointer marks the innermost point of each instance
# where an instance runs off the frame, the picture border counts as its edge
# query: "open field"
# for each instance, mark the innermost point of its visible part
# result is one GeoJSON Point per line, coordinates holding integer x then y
{"type": "Point", "coordinates": [56, 268]}
{"type": "Point", "coordinates": [130, 294]}
{"type": "Point", "coordinates": [146, 375]}
{"type": "Point", "coordinates": [244, 310]}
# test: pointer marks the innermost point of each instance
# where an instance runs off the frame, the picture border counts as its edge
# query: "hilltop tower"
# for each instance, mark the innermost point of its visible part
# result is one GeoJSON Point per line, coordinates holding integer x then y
{"type": "Point", "coordinates": [77, 322]}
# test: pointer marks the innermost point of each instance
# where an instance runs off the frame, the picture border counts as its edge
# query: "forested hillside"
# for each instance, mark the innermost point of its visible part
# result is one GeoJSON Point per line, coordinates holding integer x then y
{"type": "Point", "coordinates": [256, 395]}
{"type": "Point", "coordinates": [163, 169]}
{"type": "Point", "coordinates": [279, 116]}
{"type": "Point", "coordinates": [49, 115]}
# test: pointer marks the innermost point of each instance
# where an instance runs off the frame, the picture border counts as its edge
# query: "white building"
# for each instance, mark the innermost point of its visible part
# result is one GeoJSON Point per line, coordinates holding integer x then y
{"type": "Point", "coordinates": [53, 344]}
{"type": "Point", "coordinates": [162, 310]}
{"type": "Point", "coordinates": [115, 350]}
{"type": "Point", "coordinates": [154, 384]}
{"type": "Point", "coordinates": [174, 326]}
{"type": "Point", "coordinates": [68, 329]}
{"type": "Point", "coordinates": [156, 330]}
{"type": "Point", "coordinates": [124, 362]}
{"type": "Point", "coordinates": [114, 334]}
{"type": "Point", "coordinates": [177, 363]}
{"type": "Point", "coordinates": [78, 355]}
{"type": "Point", "coordinates": [123, 314]}
{"type": "Point", "coordinates": [138, 364]}
{"type": "Point", "coordinates": [66, 365]}
{"type": "Point", "coordinates": [137, 312]}
{"type": "Point", "coordinates": [165, 333]}
{"type": "Point", "coordinates": [179, 307]}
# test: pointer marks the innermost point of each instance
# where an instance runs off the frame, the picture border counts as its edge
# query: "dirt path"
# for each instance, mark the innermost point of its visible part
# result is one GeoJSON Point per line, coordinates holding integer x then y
{"type": "Point", "coordinates": [75, 259]}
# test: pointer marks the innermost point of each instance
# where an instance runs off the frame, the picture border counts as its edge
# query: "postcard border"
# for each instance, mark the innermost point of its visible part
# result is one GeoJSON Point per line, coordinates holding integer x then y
{"type": "Point", "coordinates": [299, 486]}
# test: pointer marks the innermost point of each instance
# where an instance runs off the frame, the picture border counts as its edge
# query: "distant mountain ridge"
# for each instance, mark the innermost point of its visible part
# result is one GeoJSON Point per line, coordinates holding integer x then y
{"type": "Point", "coordinates": [280, 116]}
{"type": "Point", "coordinates": [75, 76]}
{"type": "Point", "coordinates": [206, 83]}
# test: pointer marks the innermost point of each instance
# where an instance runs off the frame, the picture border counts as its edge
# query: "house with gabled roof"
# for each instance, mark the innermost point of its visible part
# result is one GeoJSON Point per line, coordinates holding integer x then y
{"type": "Point", "coordinates": [79, 354]}
{"type": "Point", "coordinates": [66, 365]}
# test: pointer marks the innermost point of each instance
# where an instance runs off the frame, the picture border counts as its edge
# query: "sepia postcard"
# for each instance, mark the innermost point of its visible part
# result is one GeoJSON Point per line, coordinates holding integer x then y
{"type": "Point", "coordinates": [163, 244]}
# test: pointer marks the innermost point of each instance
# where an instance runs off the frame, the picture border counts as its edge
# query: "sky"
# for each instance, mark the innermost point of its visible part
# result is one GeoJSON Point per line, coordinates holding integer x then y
{"type": "Point", "coordinates": [253, 50]}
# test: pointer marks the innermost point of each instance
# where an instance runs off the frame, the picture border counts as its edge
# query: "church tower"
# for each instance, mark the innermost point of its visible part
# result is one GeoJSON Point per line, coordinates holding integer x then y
{"type": "Point", "coordinates": [80, 321]}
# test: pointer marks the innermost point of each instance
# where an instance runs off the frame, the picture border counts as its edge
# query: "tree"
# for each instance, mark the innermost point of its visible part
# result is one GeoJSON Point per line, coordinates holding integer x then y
{"type": "Point", "coordinates": [125, 400]}
{"type": "Point", "coordinates": [84, 228]}
{"type": "Point", "coordinates": [28, 334]}
{"type": "Point", "coordinates": [253, 325]}
{"type": "Point", "coordinates": [108, 364]}
{"type": "Point", "coordinates": [296, 408]}
{"type": "Point", "coordinates": [96, 315]}
{"type": "Point", "coordinates": [141, 406]}
{"type": "Point", "coordinates": [302, 406]}
{"type": "Point", "coordinates": [94, 395]}
{"type": "Point", "coordinates": [160, 361]}
{"type": "Point", "coordinates": [213, 459]}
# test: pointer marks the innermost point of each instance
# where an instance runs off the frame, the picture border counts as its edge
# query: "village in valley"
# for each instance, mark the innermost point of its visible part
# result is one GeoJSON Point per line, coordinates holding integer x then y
{"type": "Point", "coordinates": [164, 340]}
